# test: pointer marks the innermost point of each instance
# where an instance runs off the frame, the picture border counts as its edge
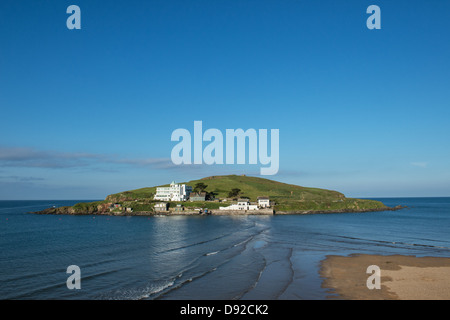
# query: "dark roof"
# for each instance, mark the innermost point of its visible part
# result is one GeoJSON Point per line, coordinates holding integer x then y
{"type": "Point", "coordinates": [263, 198]}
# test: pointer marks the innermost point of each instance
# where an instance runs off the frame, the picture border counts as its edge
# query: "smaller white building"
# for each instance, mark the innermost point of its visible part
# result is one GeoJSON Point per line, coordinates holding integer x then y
{"type": "Point", "coordinates": [264, 202]}
{"type": "Point", "coordinates": [243, 204]}
{"type": "Point", "coordinates": [161, 206]}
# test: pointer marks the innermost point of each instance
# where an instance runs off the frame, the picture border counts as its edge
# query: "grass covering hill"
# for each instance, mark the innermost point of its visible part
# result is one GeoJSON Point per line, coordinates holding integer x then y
{"type": "Point", "coordinates": [251, 187]}
{"type": "Point", "coordinates": [287, 197]}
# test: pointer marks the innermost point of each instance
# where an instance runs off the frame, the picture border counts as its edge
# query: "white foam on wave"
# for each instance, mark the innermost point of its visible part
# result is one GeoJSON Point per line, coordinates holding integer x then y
{"type": "Point", "coordinates": [243, 242]}
{"type": "Point", "coordinates": [141, 293]}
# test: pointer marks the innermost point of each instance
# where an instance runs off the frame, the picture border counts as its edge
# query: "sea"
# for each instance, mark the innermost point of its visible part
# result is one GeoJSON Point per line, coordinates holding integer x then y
{"type": "Point", "coordinates": [201, 257]}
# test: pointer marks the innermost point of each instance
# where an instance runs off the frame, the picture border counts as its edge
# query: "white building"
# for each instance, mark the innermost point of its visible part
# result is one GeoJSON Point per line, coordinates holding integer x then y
{"type": "Point", "coordinates": [243, 204]}
{"type": "Point", "coordinates": [263, 202]}
{"type": "Point", "coordinates": [161, 206]}
{"type": "Point", "coordinates": [175, 192]}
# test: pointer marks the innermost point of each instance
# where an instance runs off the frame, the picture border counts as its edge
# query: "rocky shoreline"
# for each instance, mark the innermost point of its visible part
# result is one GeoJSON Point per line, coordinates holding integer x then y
{"type": "Point", "coordinates": [71, 211]}
{"type": "Point", "coordinates": [399, 207]}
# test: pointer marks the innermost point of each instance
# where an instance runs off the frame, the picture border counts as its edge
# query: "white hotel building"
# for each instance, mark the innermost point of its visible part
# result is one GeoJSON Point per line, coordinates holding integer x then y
{"type": "Point", "coordinates": [175, 192]}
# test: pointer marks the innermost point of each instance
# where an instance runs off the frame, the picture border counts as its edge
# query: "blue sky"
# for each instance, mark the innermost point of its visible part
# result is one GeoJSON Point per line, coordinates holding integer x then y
{"type": "Point", "coordinates": [90, 112]}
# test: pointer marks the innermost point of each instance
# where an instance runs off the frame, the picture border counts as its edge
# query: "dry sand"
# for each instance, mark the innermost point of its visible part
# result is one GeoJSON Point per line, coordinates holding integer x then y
{"type": "Point", "coordinates": [402, 277]}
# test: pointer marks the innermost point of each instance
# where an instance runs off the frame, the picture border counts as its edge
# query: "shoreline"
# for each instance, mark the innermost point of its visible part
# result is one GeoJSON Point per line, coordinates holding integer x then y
{"type": "Point", "coordinates": [67, 211]}
{"type": "Point", "coordinates": [402, 277]}
{"type": "Point", "coordinates": [399, 207]}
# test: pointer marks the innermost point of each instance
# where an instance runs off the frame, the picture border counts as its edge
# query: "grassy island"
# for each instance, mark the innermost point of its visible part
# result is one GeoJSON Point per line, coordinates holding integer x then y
{"type": "Point", "coordinates": [285, 199]}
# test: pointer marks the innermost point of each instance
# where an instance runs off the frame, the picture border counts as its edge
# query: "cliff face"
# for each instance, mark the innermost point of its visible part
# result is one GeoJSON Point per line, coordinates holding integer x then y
{"type": "Point", "coordinates": [120, 197]}
{"type": "Point", "coordinates": [60, 210]}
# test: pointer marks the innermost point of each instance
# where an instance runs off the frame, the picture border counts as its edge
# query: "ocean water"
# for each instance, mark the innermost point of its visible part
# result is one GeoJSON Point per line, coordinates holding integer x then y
{"type": "Point", "coordinates": [202, 257]}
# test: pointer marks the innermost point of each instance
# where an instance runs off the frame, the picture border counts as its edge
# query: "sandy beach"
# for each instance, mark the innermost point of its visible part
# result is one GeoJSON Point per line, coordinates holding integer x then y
{"type": "Point", "coordinates": [402, 277]}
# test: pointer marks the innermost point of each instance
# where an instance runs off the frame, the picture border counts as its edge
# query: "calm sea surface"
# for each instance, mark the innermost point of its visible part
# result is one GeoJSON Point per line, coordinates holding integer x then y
{"type": "Point", "coordinates": [211, 257]}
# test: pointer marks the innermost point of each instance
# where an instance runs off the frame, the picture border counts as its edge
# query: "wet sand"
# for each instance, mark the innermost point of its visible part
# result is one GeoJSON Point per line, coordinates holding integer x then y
{"type": "Point", "coordinates": [402, 277]}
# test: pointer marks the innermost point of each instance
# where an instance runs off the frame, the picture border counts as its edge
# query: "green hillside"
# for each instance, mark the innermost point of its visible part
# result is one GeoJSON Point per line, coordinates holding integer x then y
{"type": "Point", "coordinates": [251, 187]}
{"type": "Point", "coordinates": [287, 197]}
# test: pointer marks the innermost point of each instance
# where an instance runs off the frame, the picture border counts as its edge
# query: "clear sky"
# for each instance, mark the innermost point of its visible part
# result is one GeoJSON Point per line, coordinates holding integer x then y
{"type": "Point", "coordinates": [86, 113]}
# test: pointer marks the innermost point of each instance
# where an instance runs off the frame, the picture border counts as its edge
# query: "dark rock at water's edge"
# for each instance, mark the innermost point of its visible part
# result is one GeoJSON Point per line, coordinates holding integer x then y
{"type": "Point", "coordinates": [399, 207]}
{"type": "Point", "coordinates": [71, 211]}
